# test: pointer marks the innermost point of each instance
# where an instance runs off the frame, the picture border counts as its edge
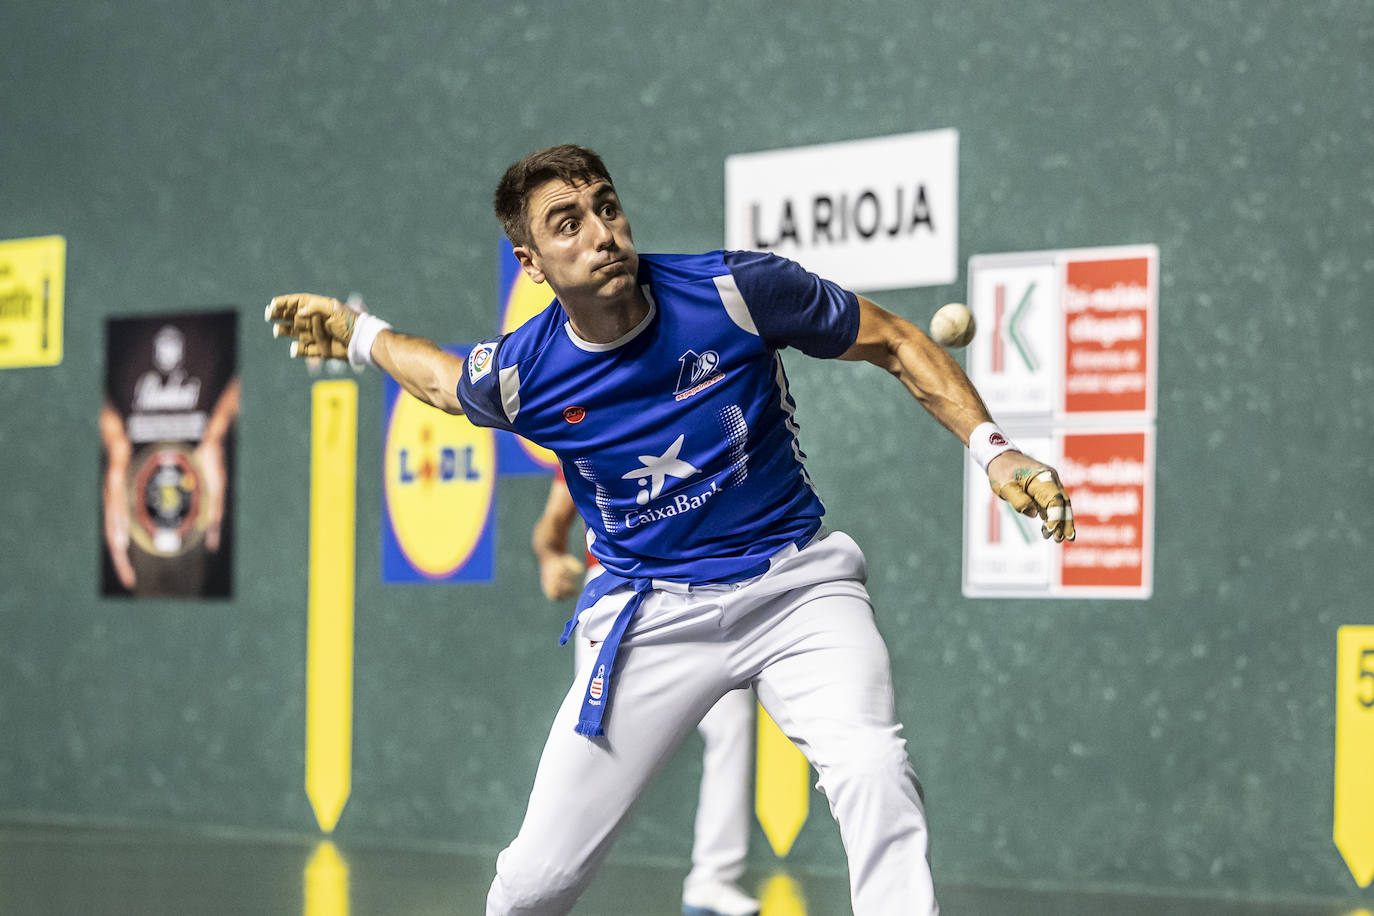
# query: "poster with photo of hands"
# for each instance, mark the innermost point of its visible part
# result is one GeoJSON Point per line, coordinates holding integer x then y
{"type": "Point", "coordinates": [167, 421]}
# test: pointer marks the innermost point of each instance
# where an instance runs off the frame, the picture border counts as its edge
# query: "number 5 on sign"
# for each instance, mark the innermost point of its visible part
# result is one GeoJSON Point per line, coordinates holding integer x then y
{"type": "Point", "coordinates": [1353, 825]}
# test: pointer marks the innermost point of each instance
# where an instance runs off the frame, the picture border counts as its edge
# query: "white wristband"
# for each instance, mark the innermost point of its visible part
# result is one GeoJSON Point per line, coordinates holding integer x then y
{"type": "Point", "coordinates": [986, 442]}
{"type": "Point", "coordinates": [365, 331]}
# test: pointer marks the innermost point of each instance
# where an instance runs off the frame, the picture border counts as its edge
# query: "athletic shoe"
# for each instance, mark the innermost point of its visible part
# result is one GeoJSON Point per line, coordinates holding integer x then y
{"type": "Point", "coordinates": [717, 899]}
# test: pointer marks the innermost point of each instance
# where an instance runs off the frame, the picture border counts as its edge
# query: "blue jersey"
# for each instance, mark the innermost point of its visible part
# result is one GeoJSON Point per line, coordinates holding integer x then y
{"type": "Point", "coordinates": [678, 440]}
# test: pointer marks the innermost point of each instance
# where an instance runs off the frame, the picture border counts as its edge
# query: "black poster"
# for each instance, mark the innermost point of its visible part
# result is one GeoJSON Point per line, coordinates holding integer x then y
{"type": "Point", "coordinates": [167, 434]}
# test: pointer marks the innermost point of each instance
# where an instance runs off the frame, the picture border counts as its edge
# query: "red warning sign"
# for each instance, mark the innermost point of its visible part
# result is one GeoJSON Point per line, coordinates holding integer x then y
{"type": "Point", "coordinates": [1108, 310]}
{"type": "Point", "coordinates": [1109, 476]}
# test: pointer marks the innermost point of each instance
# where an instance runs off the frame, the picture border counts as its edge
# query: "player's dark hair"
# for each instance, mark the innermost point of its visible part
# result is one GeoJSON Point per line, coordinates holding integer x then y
{"type": "Point", "coordinates": [566, 162]}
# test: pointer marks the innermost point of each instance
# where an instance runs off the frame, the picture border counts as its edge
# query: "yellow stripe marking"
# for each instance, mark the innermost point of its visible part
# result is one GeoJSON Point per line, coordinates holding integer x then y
{"type": "Point", "coordinates": [782, 786]}
{"type": "Point", "coordinates": [782, 896]}
{"type": "Point", "coordinates": [1353, 824]}
{"type": "Point", "coordinates": [329, 661]}
{"type": "Point", "coordinates": [326, 882]}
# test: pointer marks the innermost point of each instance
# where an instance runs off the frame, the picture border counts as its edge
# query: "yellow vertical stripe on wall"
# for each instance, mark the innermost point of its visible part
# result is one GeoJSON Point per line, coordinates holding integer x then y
{"type": "Point", "coordinates": [782, 786]}
{"type": "Point", "coordinates": [326, 882]}
{"type": "Point", "coordinates": [329, 662]}
{"type": "Point", "coordinates": [782, 896]}
{"type": "Point", "coordinates": [1353, 823]}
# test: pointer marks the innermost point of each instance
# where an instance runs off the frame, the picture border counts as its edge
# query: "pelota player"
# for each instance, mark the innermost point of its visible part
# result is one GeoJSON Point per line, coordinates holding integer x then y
{"type": "Point", "coordinates": [657, 381]}
{"type": "Point", "coordinates": [720, 832]}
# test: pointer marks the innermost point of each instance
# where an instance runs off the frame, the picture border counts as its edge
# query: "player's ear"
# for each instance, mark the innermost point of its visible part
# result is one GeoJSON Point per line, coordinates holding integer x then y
{"type": "Point", "coordinates": [529, 262]}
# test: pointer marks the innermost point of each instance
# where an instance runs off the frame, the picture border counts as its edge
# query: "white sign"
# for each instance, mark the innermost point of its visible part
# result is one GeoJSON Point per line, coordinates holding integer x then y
{"type": "Point", "coordinates": [1109, 472]}
{"type": "Point", "coordinates": [869, 214]}
{"type": "Point", "coordinates": [1015, 357]}
{"type": "Point", "coordinates": [1065, 359]}
{"type": "Point", "coordinates": [1066, 336]}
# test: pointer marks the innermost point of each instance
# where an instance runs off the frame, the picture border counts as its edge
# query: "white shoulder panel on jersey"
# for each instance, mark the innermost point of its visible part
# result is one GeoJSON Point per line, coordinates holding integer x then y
{"type": "Point", "coordinates": [734, 304]}
{"type": "Point", "coordinates": [510, 391]}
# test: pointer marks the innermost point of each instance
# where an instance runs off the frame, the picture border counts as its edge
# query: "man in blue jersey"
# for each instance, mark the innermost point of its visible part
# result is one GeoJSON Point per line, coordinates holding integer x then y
{"type": "Point", "coordinates": [657, 381]}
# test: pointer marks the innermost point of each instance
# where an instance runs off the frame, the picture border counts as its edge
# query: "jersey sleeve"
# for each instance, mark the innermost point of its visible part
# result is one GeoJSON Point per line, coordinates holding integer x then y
{"type": "Point", "coordinates": [792, 307]}
{"type": "Point", "coordinates": [479, 387]}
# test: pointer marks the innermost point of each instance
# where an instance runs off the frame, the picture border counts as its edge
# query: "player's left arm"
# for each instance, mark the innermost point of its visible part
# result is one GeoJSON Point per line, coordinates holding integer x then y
{"type": "Point", "coordinates": [559, 571]}
{"type": "Point", "coordinates": [939, 383]}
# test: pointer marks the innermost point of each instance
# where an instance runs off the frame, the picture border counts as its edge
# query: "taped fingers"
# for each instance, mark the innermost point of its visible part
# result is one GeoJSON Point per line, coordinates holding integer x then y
{"type": "Point", "coordinates": [282, 308]}
{"type": "Point", "coordinates": [1037, 492]}
{"type": "Point", "coordinates": [1048, 493]}
{"type": "Point", "coordinates": [314, 324]}
{"type": "Point", "coordinates": [308, 347]}
{"type": "Point", "coordinates": [1059, 522]}
{"type": "Point", "coordinates": [305, 344]}
{"type": "Point", "coordinates": [282, 316]}
{"type": "Point", "coordinates": [1015, 494]}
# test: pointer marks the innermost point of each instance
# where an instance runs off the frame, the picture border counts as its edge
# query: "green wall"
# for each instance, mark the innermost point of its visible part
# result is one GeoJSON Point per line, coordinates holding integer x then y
{"type": "Point", "coordinates": [198, 154]}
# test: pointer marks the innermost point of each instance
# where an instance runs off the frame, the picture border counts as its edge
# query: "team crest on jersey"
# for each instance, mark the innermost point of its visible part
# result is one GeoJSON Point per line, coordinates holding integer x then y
{"type": "Point", "coordinates": [698, 372]}
{"type": "Point", "coordinates": [480, 361]}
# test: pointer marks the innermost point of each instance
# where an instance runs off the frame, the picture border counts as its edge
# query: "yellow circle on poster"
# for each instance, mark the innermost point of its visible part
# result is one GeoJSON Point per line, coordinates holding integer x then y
{"type": "Point", "coordinates": [440, 481]}
{"type": "Point", "coordinates": [524, 300]}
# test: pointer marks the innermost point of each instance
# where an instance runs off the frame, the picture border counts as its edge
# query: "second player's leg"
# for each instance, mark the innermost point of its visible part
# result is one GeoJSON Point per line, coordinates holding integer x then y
{"type": "Point", "coordinates": [829, 688]}
{"type": "Point", "coordinates": [584, 787]}
{"type": "Point", "coordinates": [720, 842]}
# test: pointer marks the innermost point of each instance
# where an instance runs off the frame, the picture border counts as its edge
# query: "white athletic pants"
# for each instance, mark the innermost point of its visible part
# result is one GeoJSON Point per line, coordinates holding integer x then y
{"type": "Point", "coordinates": [725, 799]}
{"type": "Point", "coordinates": [803, 635]}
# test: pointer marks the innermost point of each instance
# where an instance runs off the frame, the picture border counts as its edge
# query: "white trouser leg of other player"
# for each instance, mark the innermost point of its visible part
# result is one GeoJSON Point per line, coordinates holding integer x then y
{"type": "Point", "coordinates": [832, 695]}
{"type": "Point", "coordinates": [804, 634]}
{"type": "Point", "coordinates": [725, 803]}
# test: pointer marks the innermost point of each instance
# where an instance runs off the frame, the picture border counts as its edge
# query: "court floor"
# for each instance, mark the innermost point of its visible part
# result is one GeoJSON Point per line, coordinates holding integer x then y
{"type": "Point", "coordinates": [89, 872]}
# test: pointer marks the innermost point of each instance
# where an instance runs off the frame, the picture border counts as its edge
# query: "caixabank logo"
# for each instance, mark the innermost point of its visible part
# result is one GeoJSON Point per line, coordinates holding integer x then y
{"type": "Point", "coordinates": [439, 492]}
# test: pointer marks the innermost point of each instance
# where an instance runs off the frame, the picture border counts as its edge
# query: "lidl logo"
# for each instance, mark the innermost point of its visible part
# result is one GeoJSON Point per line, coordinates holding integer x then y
{"type": "Point", "coordinates": [440, 491]}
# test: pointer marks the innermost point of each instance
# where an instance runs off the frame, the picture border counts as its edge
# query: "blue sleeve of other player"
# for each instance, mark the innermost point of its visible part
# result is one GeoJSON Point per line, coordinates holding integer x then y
{"type": "Point", "coordinates": [792, 307]}
{"type": "Point", "coordinates": [479, 387]}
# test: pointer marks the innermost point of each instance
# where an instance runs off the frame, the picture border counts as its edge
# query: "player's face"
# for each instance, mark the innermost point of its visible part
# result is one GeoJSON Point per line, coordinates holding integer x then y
{"type": "Point", "coordinates": [581, 243]}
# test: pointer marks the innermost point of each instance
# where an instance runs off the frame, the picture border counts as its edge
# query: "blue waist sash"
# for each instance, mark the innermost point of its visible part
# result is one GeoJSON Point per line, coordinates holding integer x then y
{"type": "Point", "coordinates": [598, 693]}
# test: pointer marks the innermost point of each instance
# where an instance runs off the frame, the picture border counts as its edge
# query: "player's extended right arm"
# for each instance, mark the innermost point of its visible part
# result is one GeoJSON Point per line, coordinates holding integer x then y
{"type": "Point", "coordinates": [421, 367]}
{"type": "Point", "coordinates": [327, 328]}
{"type": "Point", "coordinates": [938, 382]}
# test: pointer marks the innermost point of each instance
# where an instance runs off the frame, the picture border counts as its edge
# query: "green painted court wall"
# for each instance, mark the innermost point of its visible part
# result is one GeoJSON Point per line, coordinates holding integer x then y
{"type": "Point", "coordinates": [201, 154]}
